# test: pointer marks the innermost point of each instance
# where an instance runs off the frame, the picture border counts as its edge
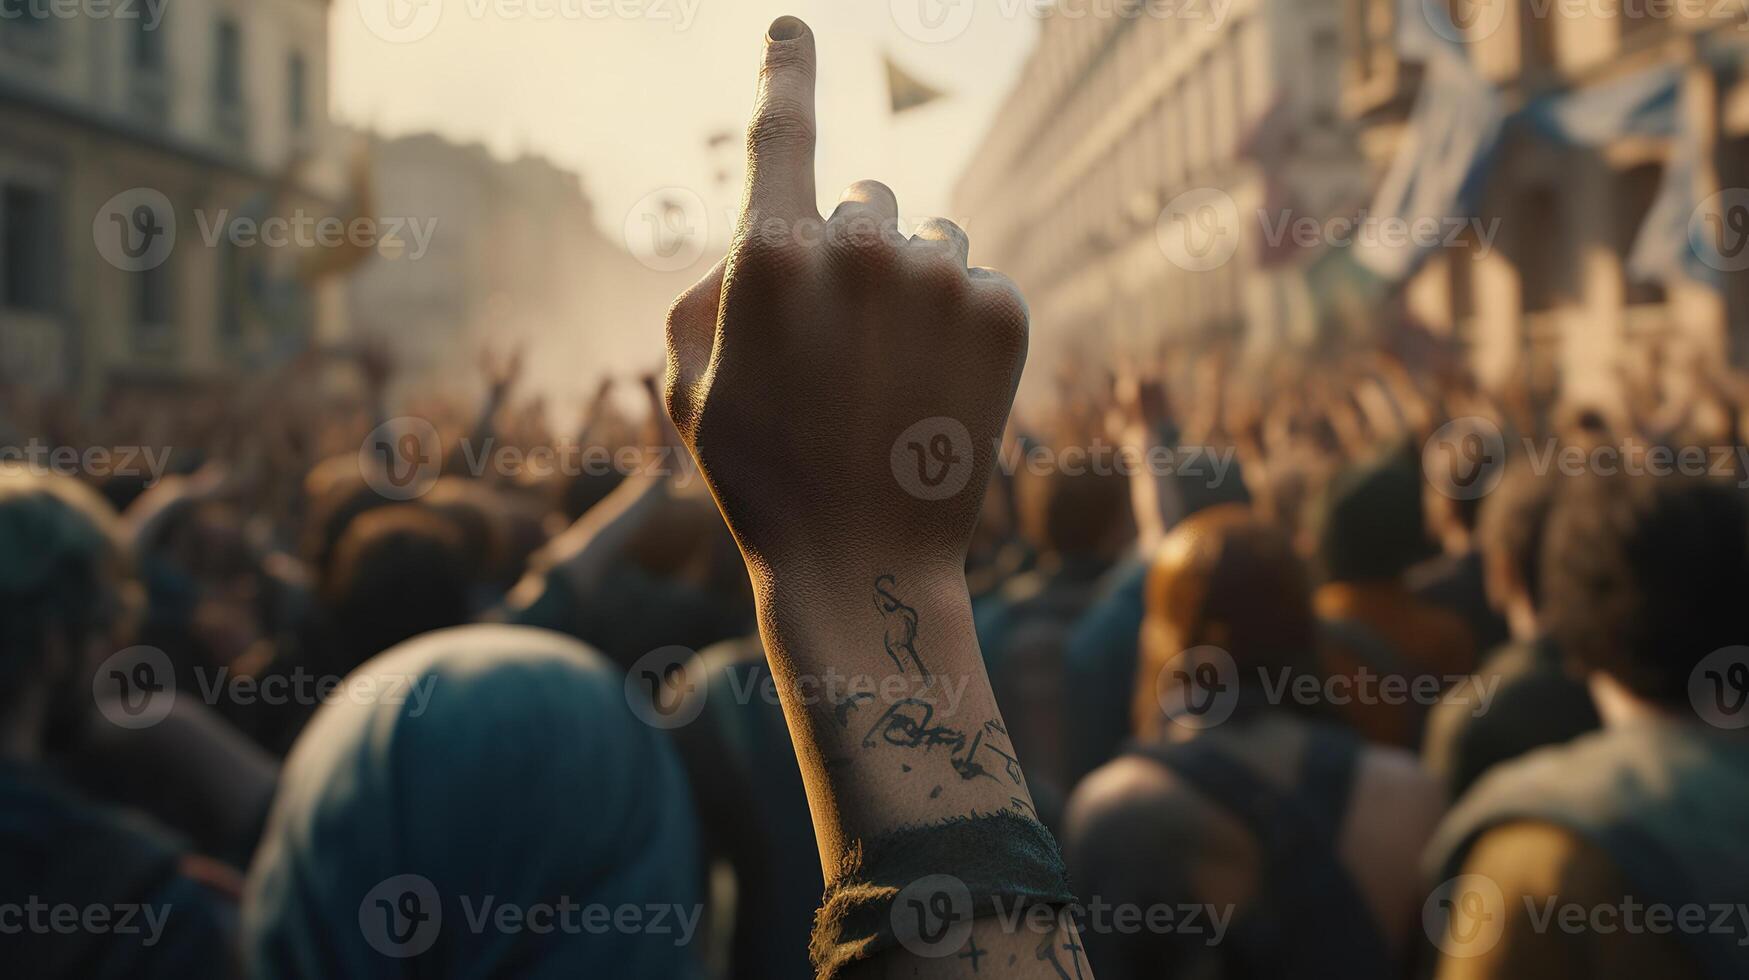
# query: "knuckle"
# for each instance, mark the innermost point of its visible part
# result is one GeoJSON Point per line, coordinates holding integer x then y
{"type": "Point", "coordinates": [863, 241]}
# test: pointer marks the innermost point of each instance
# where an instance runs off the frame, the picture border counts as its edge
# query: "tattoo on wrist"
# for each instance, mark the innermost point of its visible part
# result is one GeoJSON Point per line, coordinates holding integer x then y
{"type": "Point", "coordinates": [978, 751]}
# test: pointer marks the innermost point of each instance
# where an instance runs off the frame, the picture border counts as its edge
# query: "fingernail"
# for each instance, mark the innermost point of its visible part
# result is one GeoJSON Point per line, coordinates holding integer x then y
{"type": "Point", "coordinates": [785, 28]}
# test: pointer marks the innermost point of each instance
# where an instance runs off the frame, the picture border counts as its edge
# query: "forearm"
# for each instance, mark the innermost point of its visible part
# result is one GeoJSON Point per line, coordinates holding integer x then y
{"type": "Point", "coordinates": [898, 733]}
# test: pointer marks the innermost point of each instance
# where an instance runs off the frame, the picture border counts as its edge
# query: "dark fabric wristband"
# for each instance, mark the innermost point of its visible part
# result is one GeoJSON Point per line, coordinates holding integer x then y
{"type": "Point", "coordinates": [1000, 858]}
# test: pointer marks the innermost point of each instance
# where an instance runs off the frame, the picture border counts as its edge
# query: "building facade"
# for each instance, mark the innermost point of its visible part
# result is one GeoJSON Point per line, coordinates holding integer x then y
{"type": "Point", "coordinates": [516, 253]}
{"type": "Point", "coordinates": [1553, 302]}
{"type": "Point", "coordinates": [207, 103]}
{"type": "Point", "coordinates": [1123, 119]}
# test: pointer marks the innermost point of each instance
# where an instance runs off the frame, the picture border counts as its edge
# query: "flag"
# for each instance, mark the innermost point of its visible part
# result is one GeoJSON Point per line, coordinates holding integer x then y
{"type": "Point", "coordinates": [1448, 146]}
{"type": "Point", "coordinates": [906, 90]}
{"type": "Point", "coordinates": [1649, 104]}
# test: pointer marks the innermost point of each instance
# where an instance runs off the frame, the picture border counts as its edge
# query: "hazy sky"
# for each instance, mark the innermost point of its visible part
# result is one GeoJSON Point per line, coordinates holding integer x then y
{"type": "Point", "coordinates": [628, 101]}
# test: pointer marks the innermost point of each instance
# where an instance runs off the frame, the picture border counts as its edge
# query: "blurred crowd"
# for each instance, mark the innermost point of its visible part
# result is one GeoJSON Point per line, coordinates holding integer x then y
{"type": "Point", "coordinates": [1295, 650]}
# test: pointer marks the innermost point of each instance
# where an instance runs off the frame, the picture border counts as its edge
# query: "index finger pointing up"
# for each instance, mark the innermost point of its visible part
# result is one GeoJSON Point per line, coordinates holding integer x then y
{"type": "Point", "coordinates": [780, 138]}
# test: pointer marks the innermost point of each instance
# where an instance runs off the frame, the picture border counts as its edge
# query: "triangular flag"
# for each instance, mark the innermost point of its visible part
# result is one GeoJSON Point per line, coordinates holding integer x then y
{"type": "Point", "coordinates": [906, 90]}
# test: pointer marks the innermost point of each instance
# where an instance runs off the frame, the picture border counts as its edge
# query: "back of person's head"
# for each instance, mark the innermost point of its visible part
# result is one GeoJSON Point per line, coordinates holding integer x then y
{"type": "Point", "coordinates": [1224, 578]}
{"type": "Point", "coordinates": [1370, 525]}
{"type": "Point", "coordinates": [495, 767]}
{"type": "Point", "coordinates": [335, 493]}
{"type": "Point", "coordinates": [1075, 511]}
{"type": "Point", "coordinates": [1644, 576]}
{"type": "Point", "coordinates": [61, 565]}
{"type": "Point", "coordinates": [397, 572]}
{"type": "Point", "coordinates": [1514, 521]}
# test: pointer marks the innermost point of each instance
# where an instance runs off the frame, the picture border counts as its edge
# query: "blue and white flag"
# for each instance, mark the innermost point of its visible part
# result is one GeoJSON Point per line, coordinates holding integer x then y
{"type": "Point", "coordinates": [1647, 104]}
{"type": "Point", "coordinates": [1450, 141]}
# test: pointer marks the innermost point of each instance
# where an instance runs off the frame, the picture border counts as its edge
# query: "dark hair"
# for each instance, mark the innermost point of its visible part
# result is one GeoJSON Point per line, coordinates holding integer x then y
{"type": "Point", "coordinates": [1514, 522]}
{"type": "Point", "coordinates": [1645, 576]}
{"type": "Point", "coordinates": [397, 572]}
{"type": "Point", "coordinates": [1370, 525]}
{"type": "Point", "coordinates": [59, 546]}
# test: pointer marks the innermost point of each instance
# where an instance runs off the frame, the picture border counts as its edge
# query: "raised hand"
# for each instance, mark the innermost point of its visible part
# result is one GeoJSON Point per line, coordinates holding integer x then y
{"type": "Point", "coordinates": [843, 388]}
{"type": "Point", "coordinates": [834, 378]}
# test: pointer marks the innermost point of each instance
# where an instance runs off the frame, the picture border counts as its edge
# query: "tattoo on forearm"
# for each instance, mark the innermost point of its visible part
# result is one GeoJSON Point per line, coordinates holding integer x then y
{"type": "Point", "coordinates": [901, 623]}
{"type": "Point", "coordinates": [982, 751]}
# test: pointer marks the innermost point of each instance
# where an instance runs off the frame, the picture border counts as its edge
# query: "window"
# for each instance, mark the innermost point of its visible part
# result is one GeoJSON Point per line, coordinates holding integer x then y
{"type": "Point", "coordinates": [298, 97]}
{"type": "Point", "coordinates": [230, 299]}
{"type": "Point", "coordinates": [1636, 189]}
{"type": "Point", "coordinates": [1536, 35]}
{"type": "Point", "coordinates": [26, 28]}
{"type": "Point", "coordinates": [154, 299]}
{"type": "Point", "coordinates": [1539, 248]}
{"type": "Point", "coordinates": [28, 246]}
{"type": "Point", "coordinates": [228, 65]}
{"type": "Point", "coordinates": [147, 49]}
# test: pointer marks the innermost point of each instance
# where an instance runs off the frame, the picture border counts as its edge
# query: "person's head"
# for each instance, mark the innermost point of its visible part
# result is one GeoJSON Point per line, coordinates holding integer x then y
{"type": "Point", "coordinates": [1644, 576]}
{"type": "Point", "coordinates": [336, 492]}
{"type": "Point", "coordinates": [1510, 533]}
{"type": "Point", "coordinates": [64, 595]}
{"type": "Point", "coordinates": [1072, 511]}
{"type": "Point", "coordinates": [497, 765]}
{"type": "Point", "coordinates": [1225, 579]}
{"type": "Point", "coordinates": [397, 572]}
{"type": "Point", "coordinates": [1370, 521]}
